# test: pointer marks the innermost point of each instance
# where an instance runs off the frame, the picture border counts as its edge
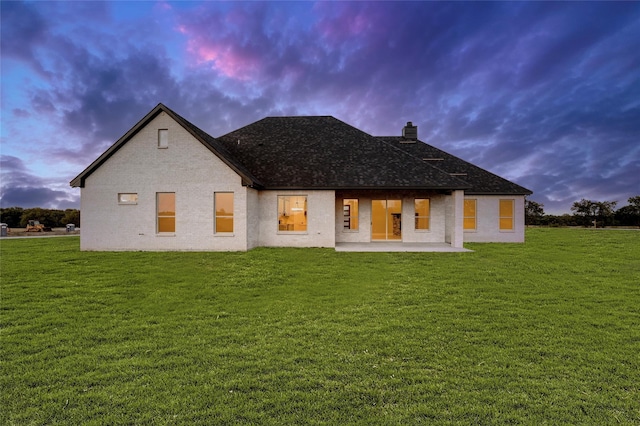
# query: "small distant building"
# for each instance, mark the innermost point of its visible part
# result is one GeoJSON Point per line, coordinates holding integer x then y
{"type": "Point", "coordinates": [287, 182]}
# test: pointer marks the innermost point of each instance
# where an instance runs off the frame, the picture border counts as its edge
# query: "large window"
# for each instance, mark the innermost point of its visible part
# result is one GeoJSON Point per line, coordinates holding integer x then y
{"type": "Point", "coordinates": [223, 202]}
{"type": "Point", "coordinates": [506, 215]}
{"type": "Point", "coordinates": [350, 212]}
{"type": "Point", "coordinates": [292, 213]}
{"type": "Point", "coordinates": [422, 208]}
{"type": "Point", "coordinates": [166, 208]}
{"type": "Point", "coordinates": [470, 214]}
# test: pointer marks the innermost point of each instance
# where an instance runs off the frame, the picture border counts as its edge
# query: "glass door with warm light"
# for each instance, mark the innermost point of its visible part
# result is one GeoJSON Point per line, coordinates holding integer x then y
{"type": "Point", "coordinates": [386, 220]}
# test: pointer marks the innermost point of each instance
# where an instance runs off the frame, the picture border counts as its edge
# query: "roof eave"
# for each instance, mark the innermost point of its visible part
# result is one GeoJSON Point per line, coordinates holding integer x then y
{"type": "Point", "coordinates": [79, 181]}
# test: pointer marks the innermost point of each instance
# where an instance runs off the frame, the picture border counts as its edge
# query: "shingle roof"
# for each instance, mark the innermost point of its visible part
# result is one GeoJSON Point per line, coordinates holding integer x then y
{"type": "Point", "coordinates": [324, 152]}
{"type": "Point", "coordinates": [481, 182]}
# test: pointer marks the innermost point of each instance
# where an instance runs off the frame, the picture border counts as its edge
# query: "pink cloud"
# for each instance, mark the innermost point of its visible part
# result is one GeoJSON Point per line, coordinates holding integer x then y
{"type": "Point", "coordinates": [226, 57]}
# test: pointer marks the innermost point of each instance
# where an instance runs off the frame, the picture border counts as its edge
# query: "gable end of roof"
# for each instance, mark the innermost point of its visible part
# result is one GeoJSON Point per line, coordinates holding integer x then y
{"type": "Point", "coordinates": [208, 141]}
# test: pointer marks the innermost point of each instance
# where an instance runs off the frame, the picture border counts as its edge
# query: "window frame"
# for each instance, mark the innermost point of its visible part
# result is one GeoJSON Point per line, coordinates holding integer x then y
{"type": "Point", "coordinates": [227, 215]}
{"type": "Point", "coordinates": [127, 202]}
{"type": "Point", "coordinates": [511, 217]}
{"type": "Point", "coordinates": [347, 220]}
{"type": "Point", "coordinates": [418, 217]}
{"type": "Point", "coordinates": [159, 217]}
{"type": "Point", "coordinates": [163, 138]}
{"type": "Point", "coordinates": [305, 200]}
{"type": "Point", "coordinates": [466, 216]}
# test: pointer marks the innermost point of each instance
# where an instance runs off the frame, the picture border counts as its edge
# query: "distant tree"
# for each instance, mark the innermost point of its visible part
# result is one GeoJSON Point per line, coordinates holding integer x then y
{"type": "Point", "coordinates": [71, 216]}
{"type": "Point", "coordinates": [11, 216]}
{"type": "Point", "coordinates": [629, 215]}
{"type": "Point", "coordinates": [594, 212]}
{"type": "Point", "coordinates": [585, 211]}
{"type": "Point", "coordinates": [605, 211]}
{"type": "Point", "coordinates": [555, 221]}
{"type": "Point", "coordinates": [47, 217]}
{"type": "Point", "coordinates": [533, 212]}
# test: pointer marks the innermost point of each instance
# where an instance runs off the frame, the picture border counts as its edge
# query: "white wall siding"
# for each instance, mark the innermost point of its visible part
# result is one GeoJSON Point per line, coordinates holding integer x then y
{"type": "Point", "coordinates": [320, 220]}
{"type": "Point", "coordinates": [186, 168]}
{"type": "Point", "coordinates": [488, 220]}
{"type": "Point", "coordinates": [437, 219]}
{"type": "Point", "coordinates": [253, 218]}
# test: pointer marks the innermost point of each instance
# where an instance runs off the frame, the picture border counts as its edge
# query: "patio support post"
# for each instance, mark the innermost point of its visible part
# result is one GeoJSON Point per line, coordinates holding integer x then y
{"type": "Point", "coordinates": [457, 231]}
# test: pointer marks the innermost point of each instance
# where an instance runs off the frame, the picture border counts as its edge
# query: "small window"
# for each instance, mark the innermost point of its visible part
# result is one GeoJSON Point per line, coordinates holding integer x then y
{"type": "Point", "coordinates": [350, 213]}
{"type": "Point", "coordinates": [422, 207]}
{"type": "Point", "coordinates": [506, 215]}
{"type": "Point", "coordinates": [470, 215]}
{"type": "Point", "coordinates": [127, 198]}
{"type": "Point", "coordinates": [223, 203]}
{"type": "Point", "coordinates": [166, 208]}
{"type": "Point", "coordinates": [292, 213]}
{"type": "Point", "coordinates": [163, 138]}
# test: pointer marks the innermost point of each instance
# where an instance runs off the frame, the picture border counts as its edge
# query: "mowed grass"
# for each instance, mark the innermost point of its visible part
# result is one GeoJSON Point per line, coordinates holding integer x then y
{"type": "Point", "coordinates": [547, 332]}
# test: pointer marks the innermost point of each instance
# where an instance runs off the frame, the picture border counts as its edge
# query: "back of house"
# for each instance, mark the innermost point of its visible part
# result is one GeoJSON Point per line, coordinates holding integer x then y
{"type": "Point", "coordinates": [287, 182]}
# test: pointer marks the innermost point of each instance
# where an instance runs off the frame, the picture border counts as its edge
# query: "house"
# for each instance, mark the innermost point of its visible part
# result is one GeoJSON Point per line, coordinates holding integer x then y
{"type": "Point", "coordinates": [287, 182]}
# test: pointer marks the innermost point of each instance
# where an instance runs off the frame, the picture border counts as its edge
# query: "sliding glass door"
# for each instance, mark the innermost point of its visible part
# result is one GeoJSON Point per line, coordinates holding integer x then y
{"type": "Point", "coordinates": [386, 220]}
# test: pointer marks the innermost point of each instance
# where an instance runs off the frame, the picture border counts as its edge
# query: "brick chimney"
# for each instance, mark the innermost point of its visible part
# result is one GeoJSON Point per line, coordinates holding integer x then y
{"type": "Point", "coordinates": [410, 132]}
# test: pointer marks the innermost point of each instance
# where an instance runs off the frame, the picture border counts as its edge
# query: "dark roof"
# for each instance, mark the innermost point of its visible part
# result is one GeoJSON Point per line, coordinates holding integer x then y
{"type": "Point", "coordinates": [208, 141]}
{"type": "Point", "coordinates": [481, 181]}
{"type": "Point", "coordinates": [326, 153]}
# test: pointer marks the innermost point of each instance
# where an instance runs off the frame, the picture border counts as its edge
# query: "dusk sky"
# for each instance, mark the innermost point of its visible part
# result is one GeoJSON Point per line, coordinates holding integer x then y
{"type": "Point", "coordinates": [545, 94]}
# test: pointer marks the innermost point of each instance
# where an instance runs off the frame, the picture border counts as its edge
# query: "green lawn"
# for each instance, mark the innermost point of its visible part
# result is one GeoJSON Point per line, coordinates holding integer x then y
{"type": "Point", "coordinates": [547, 332]}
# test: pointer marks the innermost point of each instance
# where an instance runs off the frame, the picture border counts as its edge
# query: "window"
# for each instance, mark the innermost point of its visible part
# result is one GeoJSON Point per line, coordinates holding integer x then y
{"type": "Point", "coordinates": [350, 212]}
{"type": "Point", "coordinates": [506, 215]}
{"type": "Point", "coordinates": [422, 213]}
{"type": "Point", "coordinates": [163, 138]}
{"type": "Point", "coordinates": [166, 204]}
{"type": "Point", "coordinates": [292, 213]}
{"type": "Point", "coordinates": [223, 204]}
{"type": "Point", "coordinates": [470, 215]}
{"type": "Point", "coordinates": [127, 198]}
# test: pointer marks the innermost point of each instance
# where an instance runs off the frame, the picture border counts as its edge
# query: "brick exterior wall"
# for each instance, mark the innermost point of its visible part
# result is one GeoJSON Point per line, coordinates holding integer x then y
{"type": "Point", "coordinates": [187, 168]}
{"type": "Point", "coordinates": [488, 220]}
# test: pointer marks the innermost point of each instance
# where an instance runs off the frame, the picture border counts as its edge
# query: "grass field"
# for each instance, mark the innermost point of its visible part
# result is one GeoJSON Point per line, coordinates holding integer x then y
{"type": "Point", "coordinates": [542, 333]}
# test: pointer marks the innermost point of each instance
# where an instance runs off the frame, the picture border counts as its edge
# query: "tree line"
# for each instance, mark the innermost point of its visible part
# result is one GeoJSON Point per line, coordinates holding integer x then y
{"type": "Point", "coordinates": [587, 213]}
{"type": "Point", "coordinates": [17, 217]}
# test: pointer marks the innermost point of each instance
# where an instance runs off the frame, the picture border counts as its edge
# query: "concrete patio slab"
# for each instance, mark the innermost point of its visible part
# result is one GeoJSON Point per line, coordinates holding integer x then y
{"type": "Point", "coordinates": [399, 247]}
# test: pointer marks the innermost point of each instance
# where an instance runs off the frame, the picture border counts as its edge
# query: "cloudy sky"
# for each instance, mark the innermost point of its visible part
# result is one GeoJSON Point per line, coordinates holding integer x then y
{"type": "Point", "coordinates": [545, 94]}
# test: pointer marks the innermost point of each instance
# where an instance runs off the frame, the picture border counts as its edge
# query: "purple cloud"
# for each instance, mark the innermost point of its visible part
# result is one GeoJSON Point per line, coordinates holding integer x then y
{"type": "Point", "coordinates": [544, 94]}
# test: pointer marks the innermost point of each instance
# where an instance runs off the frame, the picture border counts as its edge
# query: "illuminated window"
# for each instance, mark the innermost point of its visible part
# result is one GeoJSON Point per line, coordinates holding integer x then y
{"type": "Point", "coordinates": [422, 213]}
{"type": "Point", "coordinates": [163, 138]}
{"type": "Point", "coordinates": [223, 202]}
{"type": "Point", "coordinates": [128, 198]}
{"type": "Point", "coordinates": [470, 214]}
{"type": "Point", "coordinates": [350, 212]}
{"type": "Point", "coordinates": [292, 213]}
{"type": "Point", "coordinates": [166, 207]}
{"type": "Point", "coordinates": [506, 215]}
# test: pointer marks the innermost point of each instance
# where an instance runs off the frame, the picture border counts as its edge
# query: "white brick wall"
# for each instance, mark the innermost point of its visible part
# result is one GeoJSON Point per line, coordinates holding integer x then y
{"type": "Point", "coordinates": [435, 234]}
{"type": "Point", "coordinates": [320, 220]}
{"type": "Point", "coordinates": [187, 168]}
{"type": "Point", "coordinates": [488, 220]}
